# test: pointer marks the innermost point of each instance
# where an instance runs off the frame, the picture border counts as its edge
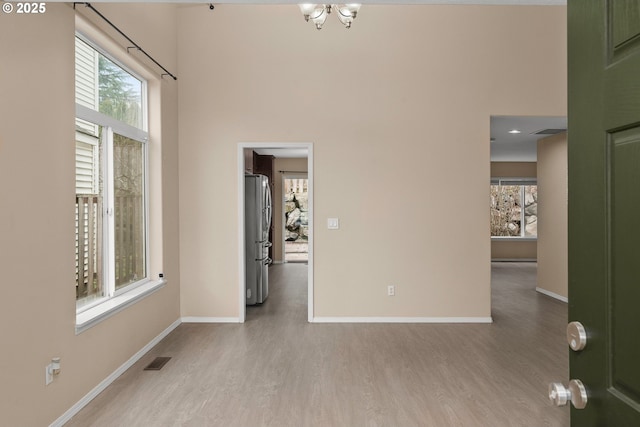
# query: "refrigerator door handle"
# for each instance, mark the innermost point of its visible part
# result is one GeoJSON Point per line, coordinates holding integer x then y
{"type": "Point", "coordinates": [268, 208]}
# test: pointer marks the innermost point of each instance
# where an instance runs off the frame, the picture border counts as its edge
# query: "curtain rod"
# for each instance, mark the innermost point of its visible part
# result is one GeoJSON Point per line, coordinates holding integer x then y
{"type": "Point", "coordinates": [293, 171]}
{"type": "Point", "coordinates": [166, 72]}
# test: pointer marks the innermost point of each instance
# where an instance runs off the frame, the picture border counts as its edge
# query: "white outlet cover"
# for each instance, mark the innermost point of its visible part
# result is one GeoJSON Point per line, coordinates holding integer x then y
{"type": "Point", "coordinates": [333, 223]}
{"type": "Point", "coordinates": [48, 376]}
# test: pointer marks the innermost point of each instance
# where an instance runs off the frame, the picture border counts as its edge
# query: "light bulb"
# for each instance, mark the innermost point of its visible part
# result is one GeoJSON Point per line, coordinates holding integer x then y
{"type": "Point", "coordinates": [307, 9]}
{"type": "Point", "coordinates": [353, 8]}
{"type": "Point", "coordinates": [345, 16]}
{"type": "Point", "coordinates": [344, 11]}
{"type": "Point", "coordinates": [319, 18]}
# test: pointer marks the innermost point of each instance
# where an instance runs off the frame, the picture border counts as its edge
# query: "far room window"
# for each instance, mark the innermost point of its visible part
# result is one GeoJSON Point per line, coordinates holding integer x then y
{"type": "Point", "coordinates": [514, 208]}
{"type": "Point", "coordinates": [111, 184]}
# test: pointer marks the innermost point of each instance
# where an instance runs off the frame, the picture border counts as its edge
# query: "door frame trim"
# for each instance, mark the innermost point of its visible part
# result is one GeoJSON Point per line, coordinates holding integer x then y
{"type": "Point", "coordinates": [241, 243]}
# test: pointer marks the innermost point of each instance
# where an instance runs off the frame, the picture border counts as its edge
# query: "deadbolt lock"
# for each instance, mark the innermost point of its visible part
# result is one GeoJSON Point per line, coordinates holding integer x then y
{"type": "Point", "coordinates": [576, 336]}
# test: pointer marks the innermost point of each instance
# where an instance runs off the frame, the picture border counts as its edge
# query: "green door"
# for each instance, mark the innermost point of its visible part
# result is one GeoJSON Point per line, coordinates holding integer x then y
{"type": "Point", "coordinates": [604, 207]}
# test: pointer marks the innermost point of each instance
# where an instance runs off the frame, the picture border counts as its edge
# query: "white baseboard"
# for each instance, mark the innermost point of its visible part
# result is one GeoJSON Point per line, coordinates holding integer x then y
{"type": "Point", "coordinates": [111, 378]}
{"type": "Point", "coordinates": [514, 260]}
{"type": "Point", "coordinates": [195, 319]}
{"type": "Point", "coordinates": [552, 295]}
{"type": "Point", "coordinates": [402, 320]}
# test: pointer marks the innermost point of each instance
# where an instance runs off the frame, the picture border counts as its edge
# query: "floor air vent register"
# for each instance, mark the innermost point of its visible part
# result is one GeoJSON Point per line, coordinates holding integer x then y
{"type": "Point", "coordinates": [157, 364]}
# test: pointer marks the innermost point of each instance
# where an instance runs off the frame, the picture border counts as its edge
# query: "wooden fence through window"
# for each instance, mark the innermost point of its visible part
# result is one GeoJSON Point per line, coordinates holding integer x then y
{"type": "Point", "coordinates": [129, 239]}
{"type": "Point", "coordinates": [88, 245]}
{"type": "Point", "coordinates": [129, 248]}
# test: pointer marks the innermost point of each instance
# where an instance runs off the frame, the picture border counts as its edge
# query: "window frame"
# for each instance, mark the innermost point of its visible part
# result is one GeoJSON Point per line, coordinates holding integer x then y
{"type": "Point", "coordinates": [521, 182]}
{"type": "Point", "coordinates": [144, 101]}
{"type": "Point", "coordinates": [114, 300]}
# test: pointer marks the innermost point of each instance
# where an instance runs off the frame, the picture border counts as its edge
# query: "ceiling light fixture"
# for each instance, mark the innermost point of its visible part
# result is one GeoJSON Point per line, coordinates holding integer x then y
{"type": "Point", "coordinates": [514, 131]}
{"type": "Point", "coordinates": [317, 13]}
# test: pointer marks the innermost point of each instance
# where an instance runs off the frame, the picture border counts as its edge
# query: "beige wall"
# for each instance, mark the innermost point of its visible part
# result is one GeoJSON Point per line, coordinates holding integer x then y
{"type": "Point", "coordinates": [521, 249]}
{"type": "Point", "coordinates": [299, 165]}
{"type": "Point", "coordinates": [514, 170]}
{"type": "Point", "coordinates": [552, 215]}
{"type": "Point", "coordinates": [380, 103]}
{"type": "Point", "coordinates": [37, 308]}
{"type": "Point", "coordinates": [525, 250]}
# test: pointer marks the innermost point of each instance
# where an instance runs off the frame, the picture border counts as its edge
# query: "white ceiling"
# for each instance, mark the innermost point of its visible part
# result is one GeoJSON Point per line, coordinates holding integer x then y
{"type": "Point", "coordinates": [522, 147]}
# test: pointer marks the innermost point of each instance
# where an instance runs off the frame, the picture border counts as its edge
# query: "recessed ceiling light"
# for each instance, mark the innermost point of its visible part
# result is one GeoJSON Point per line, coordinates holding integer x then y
{"type": "Point", "coordinates": [514, 131]}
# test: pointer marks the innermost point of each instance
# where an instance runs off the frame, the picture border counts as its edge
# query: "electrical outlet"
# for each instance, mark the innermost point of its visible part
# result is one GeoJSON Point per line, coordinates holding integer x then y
{"type": "Point", "coordinates": [51, 369]}
{"type": "Point", "coordinates": [391, 290]}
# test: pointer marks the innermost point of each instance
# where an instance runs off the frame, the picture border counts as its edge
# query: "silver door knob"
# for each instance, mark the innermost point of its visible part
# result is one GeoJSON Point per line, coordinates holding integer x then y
{"type": "Point", "coordinates": [576, 336]}
{"type": "Point", "coordinates": [561, 395]}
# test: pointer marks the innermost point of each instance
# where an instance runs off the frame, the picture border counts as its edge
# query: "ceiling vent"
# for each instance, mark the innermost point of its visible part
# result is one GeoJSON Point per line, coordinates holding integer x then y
{"type": "Point", "coordinates": [548, 132]}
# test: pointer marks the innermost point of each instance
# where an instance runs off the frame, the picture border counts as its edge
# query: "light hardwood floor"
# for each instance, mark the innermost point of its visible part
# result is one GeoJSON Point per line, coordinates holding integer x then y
{"type": "Point", "coordinates": [279, 370]}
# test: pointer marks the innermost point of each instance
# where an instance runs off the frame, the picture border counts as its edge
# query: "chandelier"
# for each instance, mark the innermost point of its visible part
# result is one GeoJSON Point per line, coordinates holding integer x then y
{"type": "Point", "coordinates": [317, 13]}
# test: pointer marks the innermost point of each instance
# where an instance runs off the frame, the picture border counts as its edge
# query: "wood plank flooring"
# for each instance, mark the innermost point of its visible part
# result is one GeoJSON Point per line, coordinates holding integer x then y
{"type": "Point", "coordinates": [279, 370]}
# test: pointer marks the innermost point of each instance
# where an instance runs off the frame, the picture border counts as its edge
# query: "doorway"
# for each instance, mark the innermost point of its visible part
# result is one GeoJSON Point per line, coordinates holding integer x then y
{"type": "Point", "coordinates": [278, 151]}
{"type": "Point", "coordinates": [528, 157]}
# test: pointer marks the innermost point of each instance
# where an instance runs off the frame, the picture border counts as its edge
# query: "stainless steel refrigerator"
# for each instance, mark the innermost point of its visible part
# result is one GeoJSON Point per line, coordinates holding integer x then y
{"type": "Point", "coordinates": [257, 221]}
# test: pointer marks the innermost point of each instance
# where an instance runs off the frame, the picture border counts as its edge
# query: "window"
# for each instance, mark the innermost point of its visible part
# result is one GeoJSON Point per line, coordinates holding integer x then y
{"type": "Point", "coordinates": [296, 218]}
{"type": "Point", "coordinates": [111, 185]}
{"type": "Point", "coordinates": [514, 208]}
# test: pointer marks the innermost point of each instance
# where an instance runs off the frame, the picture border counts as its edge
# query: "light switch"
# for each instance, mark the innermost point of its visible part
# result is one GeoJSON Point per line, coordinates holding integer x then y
{"type": "Point", "coordinates": [333, 223]}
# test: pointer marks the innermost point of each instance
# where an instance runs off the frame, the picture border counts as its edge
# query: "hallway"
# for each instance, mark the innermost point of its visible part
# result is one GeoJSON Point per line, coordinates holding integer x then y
{"type": "Point", "coordinates": [279, 370]}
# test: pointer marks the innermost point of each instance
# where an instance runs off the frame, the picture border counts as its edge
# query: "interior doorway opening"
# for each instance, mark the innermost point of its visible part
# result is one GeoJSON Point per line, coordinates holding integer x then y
{"type": "Point", "coordinates": [528, 182]}
{"type": "Point", "coordinates": [248, 163]}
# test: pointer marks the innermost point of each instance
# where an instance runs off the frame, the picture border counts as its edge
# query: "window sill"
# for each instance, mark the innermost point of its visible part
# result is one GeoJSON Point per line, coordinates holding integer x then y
{"type": "Point", "coordinates": [513, 239]}
{"type": "Point", "coordinates": [100, 312]}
